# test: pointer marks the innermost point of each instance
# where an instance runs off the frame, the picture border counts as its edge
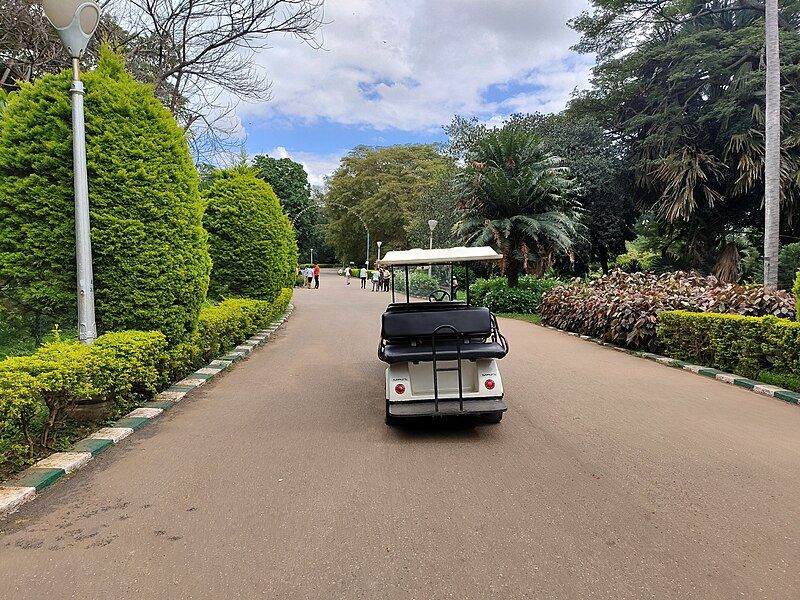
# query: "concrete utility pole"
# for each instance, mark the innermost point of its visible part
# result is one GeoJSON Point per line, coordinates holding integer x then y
{"type": "Point", "coordinates": [75, 21]}
{"type": "Point", "coordinates": [772, 153]}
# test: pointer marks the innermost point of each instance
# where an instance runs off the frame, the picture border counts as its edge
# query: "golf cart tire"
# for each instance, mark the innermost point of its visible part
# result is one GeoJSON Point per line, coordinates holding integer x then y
{"type": "Point", "coordinates": [493, 417]}
{"type": "Point", "coordinates": [390, 420]}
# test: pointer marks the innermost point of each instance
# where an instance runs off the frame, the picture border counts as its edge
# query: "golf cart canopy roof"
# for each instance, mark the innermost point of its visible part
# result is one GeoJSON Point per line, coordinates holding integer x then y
{"type": "Point", "coordinates": [420, 256]}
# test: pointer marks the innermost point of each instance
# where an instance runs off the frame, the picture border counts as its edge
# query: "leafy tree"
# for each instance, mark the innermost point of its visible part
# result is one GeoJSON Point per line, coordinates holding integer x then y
{"type": "Point", "coordinates": [151, 263]}
{"type": "Point", "coordinates": [595, 163]}
{"type": "Point", "coordinates": [289, 180]}
{"type": "Point", "coordinates": [437, 202]}
{"type": "Point", "coordinates": [686, 103]}
{"type": "Point", "coordinates": [515, 194]}
{"type": "Point", "coordinates": [385, 188]}
{"type": "Point", "coordinates": [253, 247]}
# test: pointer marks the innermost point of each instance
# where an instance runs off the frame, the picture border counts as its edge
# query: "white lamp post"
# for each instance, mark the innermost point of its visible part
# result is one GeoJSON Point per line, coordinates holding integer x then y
{"type": "Point", "coordinates": [312, 256]}
{"type": "Point", "coordinates": [379, 250]}
{"type": "Point", "coordinates": [76, 21]}
{"type": "Point", "coordinates": [432, 223]}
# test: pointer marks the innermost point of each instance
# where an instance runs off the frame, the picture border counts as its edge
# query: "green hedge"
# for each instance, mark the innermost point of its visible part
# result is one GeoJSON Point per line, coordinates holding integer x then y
{"type": "Point", "coordinates": [743, 345]}
{"type": "Point", "coordinates": [495, 293]}
{"type": "Point", "coordinates": [127, 368]}
{"type": "Point", "coordinates": [149, 249]}
{"type": "Point", "coordinates": [252, 242]}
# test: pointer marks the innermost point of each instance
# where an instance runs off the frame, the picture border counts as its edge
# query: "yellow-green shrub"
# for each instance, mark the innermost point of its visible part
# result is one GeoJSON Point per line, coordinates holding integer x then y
{"type": "Point", "coordinates": [20, 400]}
{"type": "Point", "coordinates": [742, 345]}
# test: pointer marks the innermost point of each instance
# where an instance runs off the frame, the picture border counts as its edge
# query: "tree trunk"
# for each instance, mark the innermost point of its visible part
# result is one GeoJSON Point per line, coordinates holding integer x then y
{"type": "Point", "coordinates": [512, 273]}
{"type": "Point", "coordinates": [603, 251]}
{"type": "Point", "coordinates": [772, 154]}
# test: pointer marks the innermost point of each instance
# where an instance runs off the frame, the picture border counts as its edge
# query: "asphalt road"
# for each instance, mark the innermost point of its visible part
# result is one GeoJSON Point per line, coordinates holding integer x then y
{"type": "Point", "coordinates": [610, 477]}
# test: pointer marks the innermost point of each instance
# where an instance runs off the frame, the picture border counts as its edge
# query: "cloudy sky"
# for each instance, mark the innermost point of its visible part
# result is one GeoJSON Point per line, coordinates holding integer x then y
{"type": "Point", "coordinates": [395, 71]}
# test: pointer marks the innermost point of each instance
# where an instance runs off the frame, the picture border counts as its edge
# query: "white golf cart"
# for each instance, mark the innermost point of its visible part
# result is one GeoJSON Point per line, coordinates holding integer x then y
{"type": "Point", "coordinates": [442, 353]}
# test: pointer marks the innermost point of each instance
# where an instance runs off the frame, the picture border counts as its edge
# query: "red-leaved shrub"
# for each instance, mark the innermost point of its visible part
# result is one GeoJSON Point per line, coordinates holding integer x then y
{"type": "Point", "coordinates": [622, 308]}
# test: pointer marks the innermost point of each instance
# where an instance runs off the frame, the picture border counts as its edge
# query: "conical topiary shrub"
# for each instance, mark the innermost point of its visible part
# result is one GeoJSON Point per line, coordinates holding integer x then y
{"type": "Point", "coordinates": [151, 261]}
{"type": "Point", "coordinates": [253, 244]}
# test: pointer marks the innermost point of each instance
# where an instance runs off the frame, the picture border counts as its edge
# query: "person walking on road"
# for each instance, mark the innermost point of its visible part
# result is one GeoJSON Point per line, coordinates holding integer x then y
{"type": "Point", "coordinates": [376, 277]}
{"type": "Point", "coordinates": [387, 277]}
{"type": "Point", "coordinates": [309, 273]}
{"type": "Point", "coordinates": [348, 273]}
{"type": "Point", "coordinates": [364, 274]}
{"type": "Point", "coordinates": [316, 276]}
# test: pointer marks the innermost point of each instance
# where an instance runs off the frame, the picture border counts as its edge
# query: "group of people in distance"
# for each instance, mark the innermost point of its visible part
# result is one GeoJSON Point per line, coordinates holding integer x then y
{"type": "Point", "coordinates": [381, 277]}
{"type": "Point", "coordinates": [310, 275]}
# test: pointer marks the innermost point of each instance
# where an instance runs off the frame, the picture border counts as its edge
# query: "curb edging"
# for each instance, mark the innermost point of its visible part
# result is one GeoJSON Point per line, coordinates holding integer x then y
{"type": "Point", "coordinates": [26, 485]}
{"type": "Point", "coordinates": [758, 387]}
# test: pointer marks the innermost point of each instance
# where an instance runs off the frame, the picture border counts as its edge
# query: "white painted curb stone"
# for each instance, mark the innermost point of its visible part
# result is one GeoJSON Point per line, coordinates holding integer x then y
{"type": "Point", "coordinates": [728, 377]}
{"type": "Point", "coordinates": [69, 461]}
{"type": "Point", "coordinates": [767, 390]}
{"type": "Point", "coordinates": [115, 434]}
{"type": "Point", "coordinates": [144, 413]}
{"type": "Point", "coordinates": [208, 370]}
{"type": "Point", "coordinates": [191, 382]}
{"type": "Point", "coordinates": [693, 368]}
{"type": "Point", "coordinates": [11, 498]}
{"type": "Point", "coordinates": [171, 396]}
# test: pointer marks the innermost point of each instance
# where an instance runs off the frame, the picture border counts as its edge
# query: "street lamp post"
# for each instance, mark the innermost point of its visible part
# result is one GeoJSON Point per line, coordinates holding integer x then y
{"type": "Point", "coordinates": [76, 21]}
{"type": "Point", "coordinates": [432, 223]}
{"type": "Point", "coordinates": [379, 250]}
{"type": "Point", "coordinates": [312, 256]}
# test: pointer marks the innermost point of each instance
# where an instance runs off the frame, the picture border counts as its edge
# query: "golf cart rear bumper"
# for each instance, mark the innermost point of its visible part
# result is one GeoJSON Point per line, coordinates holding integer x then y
{"type": "Point", "coordinates": [427, 408]}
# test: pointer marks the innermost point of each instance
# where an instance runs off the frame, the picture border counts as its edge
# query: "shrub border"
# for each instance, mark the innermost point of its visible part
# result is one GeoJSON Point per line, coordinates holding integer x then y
{"type": "Point", "coordinates": [26, 485]}
{"type": "Point", "coordinates": [758, 387]}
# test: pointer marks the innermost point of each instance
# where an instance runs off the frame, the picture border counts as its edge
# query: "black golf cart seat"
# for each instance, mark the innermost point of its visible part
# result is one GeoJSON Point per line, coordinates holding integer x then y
{"type": "Point", "coordinates": [414, 334]}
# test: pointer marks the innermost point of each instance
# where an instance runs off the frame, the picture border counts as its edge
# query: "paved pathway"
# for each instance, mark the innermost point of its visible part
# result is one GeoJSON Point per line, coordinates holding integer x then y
{"type": "Point", "coordinates": [610, 477]}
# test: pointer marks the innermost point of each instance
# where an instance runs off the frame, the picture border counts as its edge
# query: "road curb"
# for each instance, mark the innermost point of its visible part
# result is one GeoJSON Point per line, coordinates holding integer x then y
{"type": "Point", "coordinates": [758, 387]}
{"type": "Point", "coordinates": [25, 486]}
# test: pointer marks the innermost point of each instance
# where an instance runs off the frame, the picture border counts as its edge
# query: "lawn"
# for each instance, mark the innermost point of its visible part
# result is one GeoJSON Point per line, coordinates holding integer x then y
{"type": "Point", "coordinates": [530, 318]}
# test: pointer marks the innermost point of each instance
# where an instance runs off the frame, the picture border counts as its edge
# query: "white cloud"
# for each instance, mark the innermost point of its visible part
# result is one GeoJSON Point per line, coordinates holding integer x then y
{"type": "Point", "coordinates": [412, 65]}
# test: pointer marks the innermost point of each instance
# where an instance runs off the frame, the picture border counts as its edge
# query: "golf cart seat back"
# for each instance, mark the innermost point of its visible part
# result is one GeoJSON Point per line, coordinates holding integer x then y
{"type": "Point", "coordinates": [425, 306]}
{"type": "Point", "coordinates": [408, 336]}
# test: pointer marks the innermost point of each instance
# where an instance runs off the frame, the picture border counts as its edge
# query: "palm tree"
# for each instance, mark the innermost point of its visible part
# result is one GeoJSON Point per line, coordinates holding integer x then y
{"type": "Point", "coordinates": [515, 195]}
{"type": "Point", "coordinates": [772, 154]}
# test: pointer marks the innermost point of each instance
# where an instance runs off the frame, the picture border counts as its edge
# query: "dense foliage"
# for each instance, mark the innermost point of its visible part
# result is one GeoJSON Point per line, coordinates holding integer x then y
{"type": "Point", "coordinates": [622, 308]}
{"type": "Point", "coordinates": [603, 182]}
{"type": "Point", "coordinates": [681, 85]}
{"type": "Point", "coordinates": [289, 181]}
{"type": "Point", "coordinates": [515, 195]}
{"type": "Point", "coordinates": [420, 283]}
{"type": "Point", "coordinates": [384, 189]}
{"type": "Point", "coordinates": [151, 262]}
{"type": "Point", "coordinates": [251, 240]}
{"type": "Point", "coordinates": [126, 368]}
{"type": "Point", "coordinates": [498, 297]}
{"type": "Point", "coordinates": [747, 346]}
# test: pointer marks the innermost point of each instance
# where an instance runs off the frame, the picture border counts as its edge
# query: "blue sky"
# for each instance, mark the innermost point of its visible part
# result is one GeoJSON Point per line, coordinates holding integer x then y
{"type": "Point", "coordinates": [395, 72]}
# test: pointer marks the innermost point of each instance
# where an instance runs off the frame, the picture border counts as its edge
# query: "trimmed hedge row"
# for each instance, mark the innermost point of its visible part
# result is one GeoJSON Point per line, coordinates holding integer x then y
{"type": "Point", "coordinates": [495, 294]}
{"type": "Point", "coordinates": [126, 367]}
{"type": "Point", "coordinates": [753, 347]}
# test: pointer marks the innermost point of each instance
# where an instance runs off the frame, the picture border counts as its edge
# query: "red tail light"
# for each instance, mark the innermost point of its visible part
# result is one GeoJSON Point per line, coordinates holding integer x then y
{"type": "Point", "coordinates": [399, 389]}
{"type": "Point", "coordinates": [489, 383]}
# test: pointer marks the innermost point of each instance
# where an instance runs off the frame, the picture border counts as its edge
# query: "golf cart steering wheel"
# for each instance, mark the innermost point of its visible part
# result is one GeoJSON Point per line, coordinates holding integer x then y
{"type": "Point", "coordinates": [439, 296]}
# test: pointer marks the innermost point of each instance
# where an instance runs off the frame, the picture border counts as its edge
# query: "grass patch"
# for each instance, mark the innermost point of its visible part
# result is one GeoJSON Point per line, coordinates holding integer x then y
{"type": "Point", "coordinates": [536, 319]}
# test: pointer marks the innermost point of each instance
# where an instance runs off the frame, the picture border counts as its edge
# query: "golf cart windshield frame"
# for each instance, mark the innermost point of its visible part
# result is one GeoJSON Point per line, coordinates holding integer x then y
{"type": "Point", "coordinates": [438, 256]}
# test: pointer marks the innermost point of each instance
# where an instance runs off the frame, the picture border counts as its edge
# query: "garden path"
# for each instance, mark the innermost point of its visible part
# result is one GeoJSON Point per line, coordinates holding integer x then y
{"type": "Point", "coordinates": [610, 477]}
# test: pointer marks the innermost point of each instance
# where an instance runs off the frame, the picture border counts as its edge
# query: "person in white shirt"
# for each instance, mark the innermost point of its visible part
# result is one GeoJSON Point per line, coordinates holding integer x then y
{"type": "Point", "coordinates": [364, 277]}
{"type": "Point", "coordinates": [309, 273]}
{"type": "Point", "coordinates": [348, 273]}
{"type": "Point", "coordinates": [376, 277]}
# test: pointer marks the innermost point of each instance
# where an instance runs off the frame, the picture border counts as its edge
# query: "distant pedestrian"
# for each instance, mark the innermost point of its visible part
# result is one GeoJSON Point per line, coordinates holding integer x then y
{"type": "Point", "coordinates": [363, 275]}
{"type": "Point", "coordinates": [316, 277]}
{"type": "Point", "coordinates": [376, 277]}
{"type": "Point", "coordinates": [387, 277]}
{"type": "Point", "coordinates": [309, 273]}
{"type": "Point", "coordinates": [348, 273]}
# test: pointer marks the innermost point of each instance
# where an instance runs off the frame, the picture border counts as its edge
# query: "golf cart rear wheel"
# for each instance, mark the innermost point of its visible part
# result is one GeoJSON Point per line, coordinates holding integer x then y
{"type": "Point", "coordinates": [389, 417]}
{"type": "Point", "coordinates": [493, 417]}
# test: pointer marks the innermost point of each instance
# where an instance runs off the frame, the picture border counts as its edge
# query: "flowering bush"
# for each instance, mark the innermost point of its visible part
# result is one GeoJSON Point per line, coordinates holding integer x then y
{"type": "Point", "coordinates": [622, 307]}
